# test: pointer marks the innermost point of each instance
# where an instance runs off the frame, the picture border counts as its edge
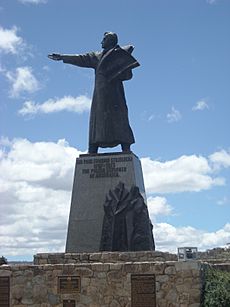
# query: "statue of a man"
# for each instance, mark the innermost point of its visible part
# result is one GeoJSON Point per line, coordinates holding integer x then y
{"type": "Point", "coordinates": [109, 124]}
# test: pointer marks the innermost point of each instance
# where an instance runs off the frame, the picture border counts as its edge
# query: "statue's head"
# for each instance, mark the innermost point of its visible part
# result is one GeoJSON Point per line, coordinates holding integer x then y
{"type": "Point", "coordinates": [110, 40]}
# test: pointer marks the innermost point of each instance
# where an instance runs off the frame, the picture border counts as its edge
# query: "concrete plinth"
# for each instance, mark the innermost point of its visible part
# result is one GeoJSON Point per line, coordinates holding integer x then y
{"type": "Point", "coordinates": [95, 176]}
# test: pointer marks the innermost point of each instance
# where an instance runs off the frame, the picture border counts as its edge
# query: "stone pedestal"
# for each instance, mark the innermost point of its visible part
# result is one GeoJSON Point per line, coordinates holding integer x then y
{"type": "Point", "coordinates": [95, 176]}
{"type": "Point", "coordinates": [103, 279]}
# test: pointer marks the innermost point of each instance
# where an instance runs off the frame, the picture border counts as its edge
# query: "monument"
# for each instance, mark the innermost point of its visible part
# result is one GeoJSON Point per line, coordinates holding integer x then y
{"type": "Point", "coordinates": [108, 207]}
{"type": "Point", "coordinates": [108, 213]}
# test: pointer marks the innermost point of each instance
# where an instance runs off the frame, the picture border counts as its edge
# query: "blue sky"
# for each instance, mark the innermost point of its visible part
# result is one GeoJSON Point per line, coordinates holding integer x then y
{"type": "Point", "coordinates": [178, 104]}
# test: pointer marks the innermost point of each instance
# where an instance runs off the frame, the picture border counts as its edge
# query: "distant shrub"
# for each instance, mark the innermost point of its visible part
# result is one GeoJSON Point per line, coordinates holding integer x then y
{"type": "Point", "coordinates": [216, 288]}
{"type": "Point", "coordinates": [3, 260]}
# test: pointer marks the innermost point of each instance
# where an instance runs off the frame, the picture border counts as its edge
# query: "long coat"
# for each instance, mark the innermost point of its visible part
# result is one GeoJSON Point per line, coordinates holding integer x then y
{"type": "Point", "coordinates": [109, 124]}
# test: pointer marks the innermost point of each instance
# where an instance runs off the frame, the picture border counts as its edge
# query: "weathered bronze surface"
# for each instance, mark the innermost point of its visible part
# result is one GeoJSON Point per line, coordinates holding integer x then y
{"type": "Point", "coordinates": [69, 284]}
{"type": "Point", "coordinates": [126, 224]}
{"type": "Point", "coordinates": [143, 290]}
{"type": "Point", "coordinates": [109, 124]}
{"type": "Point", "coordinates": [69, 303]}
{"type": "Point", "coordinates": [4, 291]}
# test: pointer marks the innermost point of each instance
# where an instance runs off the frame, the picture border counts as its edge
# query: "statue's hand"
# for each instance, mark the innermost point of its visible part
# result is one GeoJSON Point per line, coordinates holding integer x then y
{"type": "Point", "coordinates": [55, 56]}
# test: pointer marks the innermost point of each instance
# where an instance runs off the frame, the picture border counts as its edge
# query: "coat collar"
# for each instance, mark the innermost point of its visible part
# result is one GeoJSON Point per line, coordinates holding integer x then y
{"type": "Point", "coordinates": [106, 53]}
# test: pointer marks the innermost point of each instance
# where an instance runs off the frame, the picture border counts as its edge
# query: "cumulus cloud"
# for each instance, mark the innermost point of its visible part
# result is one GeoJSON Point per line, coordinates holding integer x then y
{"type": "Point", "coordinates": [168, 237]}
{"type": "Point", "coordinates": [10, 42]}
{"type": "Point", "coordinates": [35, 190]}
{"type": "Point", "coordinates": [78, 104]}
{"type": "Point", "coordinates": [32, 1]}
{"type": "Point", "coordinates": [220, 159]}
{"type": "Point", "coordinates": [174, 116]}
{"type": "Point", "coordinates": [200, 106]}
{"type": "Point", "coordinates": [187, 173]}
{"type": "Point", "coordinates": [158, 206]}
{"type": "Point", "coordinates": [22, 80]}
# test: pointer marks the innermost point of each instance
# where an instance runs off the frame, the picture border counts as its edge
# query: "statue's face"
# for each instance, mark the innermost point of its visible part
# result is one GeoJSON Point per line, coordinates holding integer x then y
{"type": "Point", "coordinates": [107, 42]}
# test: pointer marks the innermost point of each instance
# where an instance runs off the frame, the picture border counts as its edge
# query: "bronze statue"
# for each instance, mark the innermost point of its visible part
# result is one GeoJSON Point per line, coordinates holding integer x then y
{"type": "Point", "coordinates": [109, 124]}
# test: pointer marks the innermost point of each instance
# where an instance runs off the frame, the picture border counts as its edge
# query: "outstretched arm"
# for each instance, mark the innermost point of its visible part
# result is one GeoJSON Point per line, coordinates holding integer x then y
{"type": "Point", "coordinates": [82, 60]}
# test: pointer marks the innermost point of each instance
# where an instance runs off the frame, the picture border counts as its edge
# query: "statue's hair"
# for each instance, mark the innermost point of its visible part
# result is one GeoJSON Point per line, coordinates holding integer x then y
{"type": "Point", "coordinates": [113, 37]}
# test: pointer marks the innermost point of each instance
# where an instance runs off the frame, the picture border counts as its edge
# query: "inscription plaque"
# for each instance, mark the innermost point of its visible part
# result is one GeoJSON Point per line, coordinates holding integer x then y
{"type": "Point", "coordinates": [104, 167]}
{"type": "Point", "coordinates": [4, 291]}
{"type": "Point", "coordinates": [143, 290]}
{"type": "Point", "coordinates": [69, 303]}
{"type": "Point", "coordinates": [69, 284]}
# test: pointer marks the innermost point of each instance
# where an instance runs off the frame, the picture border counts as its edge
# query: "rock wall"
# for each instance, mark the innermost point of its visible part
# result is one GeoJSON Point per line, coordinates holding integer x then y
{"type": "Point", "coordinates": [110, 257]}
{"type": "Point", "coordinates": [215, 255]}
{"type": "Point", "coordinates": [177, 284]}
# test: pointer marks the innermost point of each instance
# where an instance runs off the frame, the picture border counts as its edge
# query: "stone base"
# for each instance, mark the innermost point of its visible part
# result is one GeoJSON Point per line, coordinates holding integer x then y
{"type": "Point", "coordinates": [95, 176]}
{"type": "Point", "coordinates": [105, 280]}
{"type": "Point", "coordinates": [102, 257]}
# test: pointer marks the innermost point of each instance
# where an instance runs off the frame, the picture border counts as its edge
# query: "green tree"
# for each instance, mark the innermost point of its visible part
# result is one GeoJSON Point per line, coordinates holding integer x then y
{"type": "Point", "coordinates": [216, 288]}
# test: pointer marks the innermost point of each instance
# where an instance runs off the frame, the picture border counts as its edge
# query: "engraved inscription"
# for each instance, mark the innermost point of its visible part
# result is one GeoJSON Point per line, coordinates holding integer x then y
{"type": "Point", "coordinates": [143, 290]}
{"type": "Point", "coordinates": [4, 291]}
{"type": "Point", "coordinates": [104, 167]}
{"type": "Point", "coordinates": [69, 284]}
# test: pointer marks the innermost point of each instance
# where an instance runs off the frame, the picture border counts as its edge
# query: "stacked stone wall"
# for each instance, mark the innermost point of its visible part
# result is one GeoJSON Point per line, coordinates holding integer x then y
{"type": "Point", "coordinates": [109, 257]}
{"type": "Point", "coordinates": [178, 284]}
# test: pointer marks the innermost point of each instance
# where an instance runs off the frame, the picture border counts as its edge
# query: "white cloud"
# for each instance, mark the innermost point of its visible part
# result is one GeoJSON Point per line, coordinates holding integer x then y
{"type": "Point", "coordinates": [35, 190]}
{"type": "Point", "coordinates": [41, 163]}
{"type": "Point", "coordinates": [32, 1]}
{"type": "Point", "coordinates": [151, 117]}
{"type": "Point", "coordinates": [174, 116]}
{"type": "Point", "coordinates": [10, 42]}
{"type": "Point", "coordinates": [220, 159]}
{"type": "Point", "coordinates": [158, 206]}
{"type": "Point", "coordinates": [22, 80]}
{"type": "Point", "coordinates": [223, 201]}
{"type": "Point", "coordinates": [187, 173]}
{"type": "Point", "coordinates": [200, 106]}
{"type": "Point", "coordinates": [67, 103]}
{"type": "Point", "coordinates": [168, 237]}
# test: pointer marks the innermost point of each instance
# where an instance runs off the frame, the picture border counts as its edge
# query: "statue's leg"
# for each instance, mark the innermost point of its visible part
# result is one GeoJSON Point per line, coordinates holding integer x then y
{"type": "Point", "coordinates": [125, 147]}
{"type": "Point", "coordinates": [92, 149]}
